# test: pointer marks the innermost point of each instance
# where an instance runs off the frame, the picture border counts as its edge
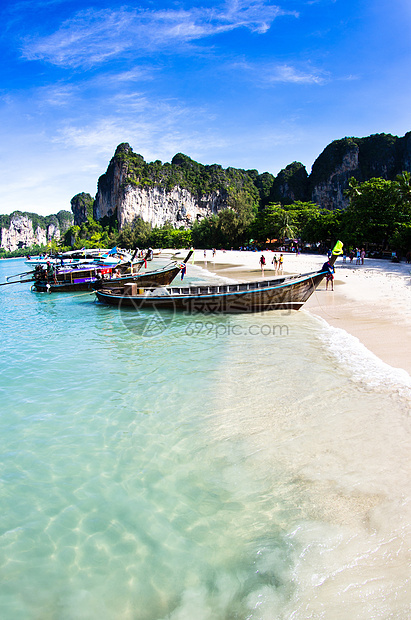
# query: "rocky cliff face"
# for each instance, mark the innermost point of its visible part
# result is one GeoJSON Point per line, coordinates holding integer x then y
{"type": "Point", "coordinates": [21, 234]}
{"type": "Point", "coordinates": [110, 190]}
{"type": "Point", "coordinates": [82, 207]}
{"type": "Point", "coordinates": [156, 201]}
{"type": "Point", "coordinates": [158, 206]}
{"type": "Point", "coordinates": [290, 185]}
{"type": "Point", "coordinates": [23, 230]}
{"type": "Point", "coordinates": [185, 191]}
{"type": "Point", "coordinates": [329, 191]}
{"type": "Point", "coordinates": [380, 155]}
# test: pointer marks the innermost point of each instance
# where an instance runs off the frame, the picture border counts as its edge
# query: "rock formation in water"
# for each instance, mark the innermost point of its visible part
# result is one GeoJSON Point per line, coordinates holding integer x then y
{"type": "Point", "coordinates": [23, 230]}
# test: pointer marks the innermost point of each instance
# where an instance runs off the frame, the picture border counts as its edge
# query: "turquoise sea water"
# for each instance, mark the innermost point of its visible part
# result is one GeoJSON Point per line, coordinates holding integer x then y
{"type": "Point", "coordinates": [206, 468]}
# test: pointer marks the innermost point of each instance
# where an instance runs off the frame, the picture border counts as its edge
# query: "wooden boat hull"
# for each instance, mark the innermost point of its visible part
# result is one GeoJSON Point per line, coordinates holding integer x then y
{"type": "Point", "coordinates": [280, 294]}
{"type": "Point", "coordinates": [161, 277]}
{"type": "Point", "coordinates": [63, 287]}
{"type": "Point", "coordinates": [74, 282]}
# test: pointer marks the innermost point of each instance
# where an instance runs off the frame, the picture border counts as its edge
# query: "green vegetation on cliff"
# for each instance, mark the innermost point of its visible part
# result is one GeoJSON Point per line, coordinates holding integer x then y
{"type": "Point", "coordinates": [200, 180]}
{"type": "Point", "coordinates": [290, 184]}
{"type": "Point", "coordinates": [61, 220]}
{"type": "Point", "coordinates": [91, 234]}
{"type": "Point", "coordinates": [378, 217]}
{"type": "Point", "coordinates": [379, 155]}
{"type": "Point", "coordinates": [82, 204]}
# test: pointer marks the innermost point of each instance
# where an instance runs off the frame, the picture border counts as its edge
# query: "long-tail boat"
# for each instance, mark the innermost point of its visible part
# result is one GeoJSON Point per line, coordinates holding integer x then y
{"type": "Point", "coordinates": [284, 293]}
{"type": "Point", "coordinates": [85, 256]}
{"type": "Point", "coordinates": [91, 277]}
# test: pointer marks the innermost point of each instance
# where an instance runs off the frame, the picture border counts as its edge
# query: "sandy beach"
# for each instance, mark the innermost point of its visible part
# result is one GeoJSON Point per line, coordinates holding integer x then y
{"type": "Point", "coordinates": [371, 301]}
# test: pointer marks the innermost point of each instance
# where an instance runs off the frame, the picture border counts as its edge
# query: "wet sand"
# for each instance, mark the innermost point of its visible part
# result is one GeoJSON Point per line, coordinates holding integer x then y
{"type": "Point", "coordinates": [381, 329]}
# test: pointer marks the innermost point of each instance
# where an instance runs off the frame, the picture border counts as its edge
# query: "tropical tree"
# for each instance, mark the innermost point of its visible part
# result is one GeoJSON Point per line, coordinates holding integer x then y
{"type": "Point", "coordinates": [276, 222]}
{"type": "Point", "coordinates": [142, 233]}
{"type": "Point", "coordinates": [323, 226]}
{"type": "Point", "coordinates": [167, 236]}
{"type": "Point", "coordinates": [206, 233]}
{"type": "Point", "coordinates": [136, 235]}
{"type": "Point", "coordinates": [230, 227]}
{"type": "Point", "coordinates": [404, 186]}
{"type": "Point", "coordinates": [91, 234]}
{"type": "Point", "coordinates": [353, 190]}
{"type": "Point", "coordinates": [374, 212]}
{"type": "Point", "coordinates": [235, 221]}
{"type": "Point", "coordinates": [285, 225]}
{"type": "Point", "coordinates": [265, 225]}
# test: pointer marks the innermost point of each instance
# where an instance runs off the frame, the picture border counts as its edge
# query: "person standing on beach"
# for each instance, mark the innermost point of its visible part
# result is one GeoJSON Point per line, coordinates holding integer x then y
{"type": "Point", "coordinates": [329, 269]}
{"type": "Point", "coordinates": [262, 263]}
{"type": "Point", "coordinates": [280, 263]}
{"type": "Point", "coordinates": [362, 256]}
{"type": "Point", "coordinates": [275, 262]}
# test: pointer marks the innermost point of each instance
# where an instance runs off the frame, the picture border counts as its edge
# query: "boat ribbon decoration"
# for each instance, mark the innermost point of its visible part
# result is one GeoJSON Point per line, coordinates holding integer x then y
{"type": "Point", "coordinates": [338, 248]}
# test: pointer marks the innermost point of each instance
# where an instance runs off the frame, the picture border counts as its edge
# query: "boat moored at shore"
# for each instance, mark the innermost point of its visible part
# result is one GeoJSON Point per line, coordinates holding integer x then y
{"type": "Point", "coordinates": [90, 277]}
{"type": "Point", "coordinates": [278, 294]}
{"type": "Point", "coordinates": [281, 293]}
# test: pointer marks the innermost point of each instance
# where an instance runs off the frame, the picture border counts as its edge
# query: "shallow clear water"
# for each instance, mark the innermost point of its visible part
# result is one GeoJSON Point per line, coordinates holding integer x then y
{"type": "Point", "coordinates": [171, 467]}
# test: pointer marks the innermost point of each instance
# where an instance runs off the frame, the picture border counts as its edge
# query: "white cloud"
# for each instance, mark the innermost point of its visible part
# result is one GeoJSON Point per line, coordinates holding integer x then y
{"type": "Point", "coordinates": [146, 124]}
{"type": "Point", "coordinates": [138, 74]}
{"type": "Point", "coordinates": [57, 95]}
{"type": "Point", "coordinates": [92, 37]}
{"type": "Point", "coordinates": [265, 74]}
{"type": "Point", "coordinates": [289, 74]}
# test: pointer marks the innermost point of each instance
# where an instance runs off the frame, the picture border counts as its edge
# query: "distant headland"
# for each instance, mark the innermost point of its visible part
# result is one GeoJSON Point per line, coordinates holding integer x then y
{"type": "Point", "coordinates": [184, 191]}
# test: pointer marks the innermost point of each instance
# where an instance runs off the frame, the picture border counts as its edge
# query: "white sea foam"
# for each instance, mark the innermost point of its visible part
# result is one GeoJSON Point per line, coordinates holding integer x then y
{"type": "Point", "coordinates": [364, 366]}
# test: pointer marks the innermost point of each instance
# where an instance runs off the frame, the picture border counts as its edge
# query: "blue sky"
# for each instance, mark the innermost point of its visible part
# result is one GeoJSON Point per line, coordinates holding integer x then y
{"type": "Point", "coordinates": [244, 84]}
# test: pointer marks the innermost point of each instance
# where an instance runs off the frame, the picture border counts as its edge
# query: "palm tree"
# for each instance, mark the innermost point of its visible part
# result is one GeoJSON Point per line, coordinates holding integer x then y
{"type": "Point", "coordinates": [404, 185]}
{"type": "Point", "coordinates": [285, 227]}
{"type": "Point", "coordinates": [353, 189]}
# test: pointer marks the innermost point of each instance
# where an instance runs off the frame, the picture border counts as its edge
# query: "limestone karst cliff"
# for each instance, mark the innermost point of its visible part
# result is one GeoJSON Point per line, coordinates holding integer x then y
{"type": "Point", "coordinates": [181, 192]}
{"type": "Point", "coordinates": [82, 207]}
{"type": "Point", "coordinates": [379, 155]}
{"type": "Point", "coordinates": [184, 191]}
{"type": "Point", "coordinates": [23, 230]}
{"type": "Point", "coordinates": [290, 184]}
